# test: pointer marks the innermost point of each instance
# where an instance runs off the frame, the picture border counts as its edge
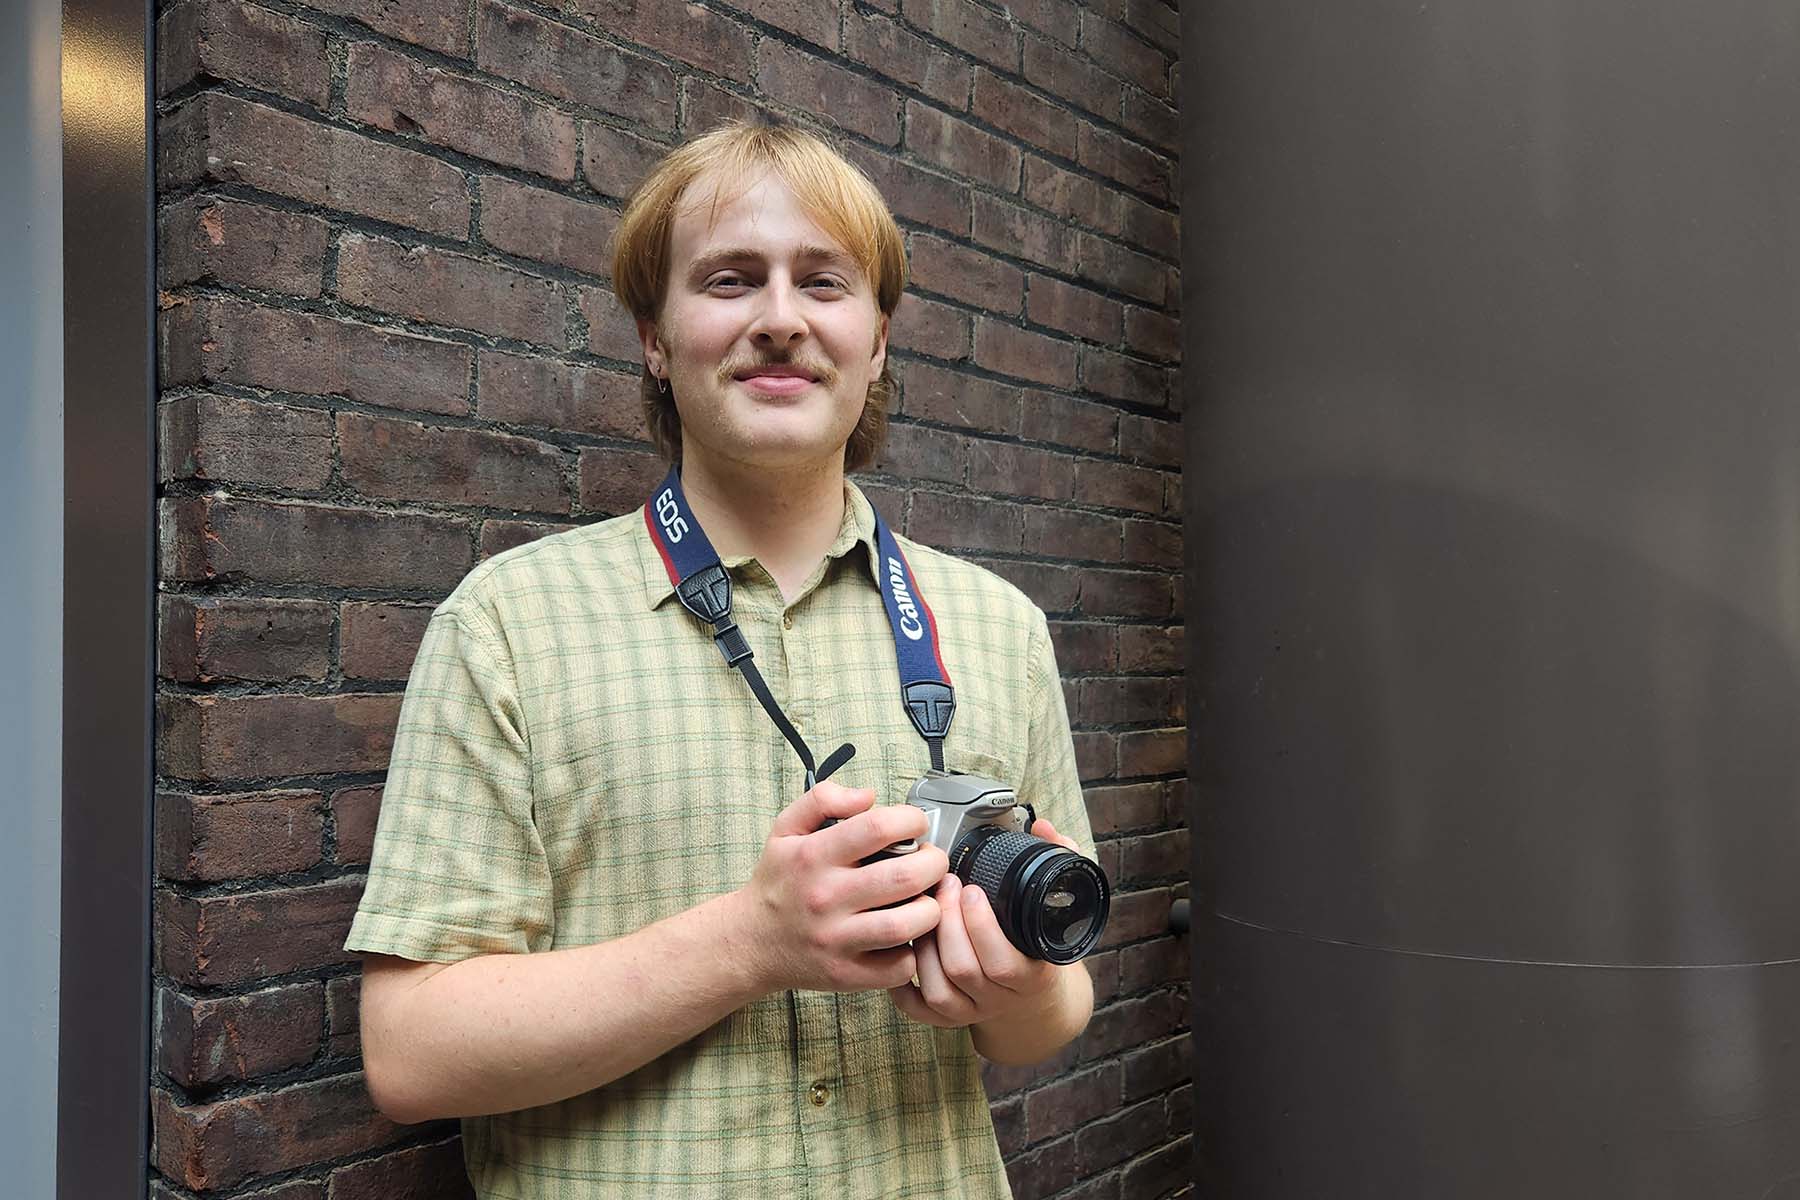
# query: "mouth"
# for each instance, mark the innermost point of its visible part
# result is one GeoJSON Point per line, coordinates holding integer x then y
{"type": "Point", "coordinates": [781, 380]}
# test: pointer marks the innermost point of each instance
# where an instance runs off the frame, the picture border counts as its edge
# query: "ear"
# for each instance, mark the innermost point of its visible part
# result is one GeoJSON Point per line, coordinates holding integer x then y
{"type": "Point", "coordinates": [653, 348]}
{"type": "Point", "coordinates": [879, 358]}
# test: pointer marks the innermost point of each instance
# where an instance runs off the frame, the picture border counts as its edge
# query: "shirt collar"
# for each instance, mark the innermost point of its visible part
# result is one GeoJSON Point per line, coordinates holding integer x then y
{"type": "Point", "coordinates": [858, 527]}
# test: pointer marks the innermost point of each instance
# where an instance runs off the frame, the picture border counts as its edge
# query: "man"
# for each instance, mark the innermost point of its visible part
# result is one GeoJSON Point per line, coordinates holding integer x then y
{"type": "Point", "coordinates": [607, 922]}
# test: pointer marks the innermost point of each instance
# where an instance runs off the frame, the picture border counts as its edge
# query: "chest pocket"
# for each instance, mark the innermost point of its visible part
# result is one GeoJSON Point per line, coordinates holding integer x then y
{"type": "Point", "coordinates": [904, 763]}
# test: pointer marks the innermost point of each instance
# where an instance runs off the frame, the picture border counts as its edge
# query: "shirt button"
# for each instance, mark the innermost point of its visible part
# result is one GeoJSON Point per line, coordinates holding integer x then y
{"type": "Point", "coordinates": [819, 1094]}
{"type": "Point", "coordinates": [787, 621]}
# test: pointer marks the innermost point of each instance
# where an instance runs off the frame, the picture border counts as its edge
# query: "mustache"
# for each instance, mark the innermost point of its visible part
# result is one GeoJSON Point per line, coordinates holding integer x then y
{"type": "Point", "coordinates": [823, 374]}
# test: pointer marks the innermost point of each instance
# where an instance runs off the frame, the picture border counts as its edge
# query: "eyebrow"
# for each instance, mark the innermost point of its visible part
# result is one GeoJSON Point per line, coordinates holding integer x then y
{"type": "Point", "coordinates": [713, 259]}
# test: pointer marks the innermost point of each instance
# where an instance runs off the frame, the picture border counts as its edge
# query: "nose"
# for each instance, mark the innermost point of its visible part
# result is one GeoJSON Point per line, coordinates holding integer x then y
{"type": "Point", "coordinates": [779, 323]}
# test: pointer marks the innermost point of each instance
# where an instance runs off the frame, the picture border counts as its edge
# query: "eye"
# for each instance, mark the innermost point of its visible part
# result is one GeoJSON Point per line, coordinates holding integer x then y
{"type": "Point", "coordinates": [829, 283]}
{"type": "Point", "coordinates": [729, 279]}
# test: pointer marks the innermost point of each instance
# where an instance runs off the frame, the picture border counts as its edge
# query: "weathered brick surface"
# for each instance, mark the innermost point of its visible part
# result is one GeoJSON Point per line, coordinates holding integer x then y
{"type": "Point", "coordinates": [389, 350]}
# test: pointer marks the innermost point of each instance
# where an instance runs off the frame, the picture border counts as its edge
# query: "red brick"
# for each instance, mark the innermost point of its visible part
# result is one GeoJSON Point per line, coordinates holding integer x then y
{"type": "Point", "coordinates": [1127, 162]}
{"type": "Point", "coordinates": [915, 452]}
{"type": "Point", "coordinates": [353, 815]}
{"type": "Point", "coordinates": [1150, 647]}
{"type": "Point", "coordinates": [978, 31]}
{"type": "Point", "coordinates": [1074, 310]}
{"type": "Point", "coordinates": [1120, 52]}
{"type": "Point", "coordinates": [926, 327]}
{"type": "Point", "coordinates": [220, 940]}
{"type": "Point", "coordinates": [907, 59]}
{"type": "Point", "coordinates": [225, 439]}
{"type": "Point", "coordinates": [1062, 533]}
{"type": "Point", "coordinates": [1009, 1125]}
{"type": "Point", "coordinates": [343, 1012]}
{"type": "Point", "coordinates": [1120, 269]}
{"type": "Point", "coordinates": [211, 1041]}
{"type": "Point", "coordinates": [435, 24]}
{"type": "Point", "coordinates": [618, 481]}
{"type": "Point", "coordinates": [402, 95]}
{"type": "Point", "coordinates": [218, 39]}
{"type": "Point", "coordinates": [1070, 422]}
{"type": "Point", "coordinates": [218, 738]}
{"type": "Point", "coordinates": [380, 641]}
{"type": "Point", "coordinates": [1069, 195]}
{"type": "Point", "coordinates": [1129, 700]}
{"type": "Point", "coordinates": [211, 1147]}
{"type": "Point", "coordinates": [546, 226]}
{"type": "Point", "coordinates": [1151, 119]}
{"type": "Point", "coordinates": [1155, 856]}
{"type": "Point", "coordinates": [1155, 22]}
{"type": "Point", "coordinates": [1131, 1022]}
{"type": "Point", "coordinates": [1107, 1142]}
{"type": "Point", "coordinates": [1045, 1171]}
{"type": "Point", "coordinates": [1103, 969]}
{"type": "Point", "coordinates": [1058, 18]}
{"type": "Point", "coordinates": [226, 341]}
{"type": "Point", "coordinates": [814, 20]}
{"type": "Point", "coordinates": [1155, 963]}
{"type": "Point", "coordinates": [965, 274]}
{"type": "Point", "coordinates": [961, 148]}
{"type": "Point", "coordinates": [1153, 334]}
{"type": "Point", "coordinates": [1080, 646]}
{"type": "Point", "coordinates": [614, 161]}
{"type": "Point", "coordinates": [1096, 755]}
{"type": "Point", "coordinates": [299, 1189]}
{"type": "Point", "coordinates": [206, 239]}
{"type": "Point", "coordinates": [705, 105]}
{"type": "Point", "coordinates": [915, 193]}
{"type": "Point", "coordinates": [1072, 1101]}
{"type": "Point", "coordinates": [221, 139]}
{"type": "Point", "coordinates": [1010, 350]}
{"type": "Point", "coordinates": [391, 459]}
{"type": "Point", "coordinates": [612, 332]}
{"type": "Point", "coordinates": [435, 285]}
{"type": "Point", "coordinates": [1153, 544]}
{"type": "Point", "coordinates": [1172, 496]}
{"type": "Point", "coordinates": [1163, 1171]}
{"type": "Point", "coordinates": [1024, 233]}
{"type": "Point", "coordinates": [517, 389]}
{"type": "Point", "coordinates": [565, 62]}
{"type": "Point", "coordinates": [434, 1172]}
{"type": "Point", "coordinates": [207, 639]}
{"type": "Point", "coordinates": [208, 838]}
{"type": "Point", "coordinates": [1051, 586]}
{"type": "Point", "coordinates": [964, 522]}
{"type": "Point", "coordinates": [1071, 77]}
{"type": "Point", "coordinates": [1157, 229]}
{"type": "Point", "coordinates": [1181, 1107]}
{"type": "Point", "coordinates": [890, 502]}
{"type": "Point", "coordinates": [1119, 485]}
{"type": "Point", "coordinates": [1024, 114]}
{"type": "Point", "coordinates": [1153, 752]}
{"type": "Point", "coordinates": [224, 539]}
{"type": "Point", "coordinates": [689, 32]}
{"type": "Point", "coordinates": [1124, 594]}
{"type": "Point", "coordinates": [813, 85]}
{"type": "Point", "coordinates": [951, 398]}
{"type": "Point", "coordinates": [500, 536]}
{"type": "Point", "coordinates": [1020, 470]}
{"type": "Point", "coordinates": [1124, 806]}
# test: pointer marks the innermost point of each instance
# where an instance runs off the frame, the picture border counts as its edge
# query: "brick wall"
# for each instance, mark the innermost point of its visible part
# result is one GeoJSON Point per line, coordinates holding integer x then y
{"type": "Point", "coordinates": [388, 350]}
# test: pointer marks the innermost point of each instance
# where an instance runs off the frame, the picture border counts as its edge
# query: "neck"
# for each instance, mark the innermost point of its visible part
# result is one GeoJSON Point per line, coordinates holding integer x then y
{"type": "Point", "coordinates": [785, 519]}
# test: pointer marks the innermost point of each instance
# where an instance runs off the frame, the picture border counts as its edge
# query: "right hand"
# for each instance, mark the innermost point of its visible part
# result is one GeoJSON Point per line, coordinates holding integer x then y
{"type": "Point", "coordinates": [816, 917]}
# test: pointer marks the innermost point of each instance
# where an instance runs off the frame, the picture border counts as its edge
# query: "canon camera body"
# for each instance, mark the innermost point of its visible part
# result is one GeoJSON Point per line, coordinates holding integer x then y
{"type": "Point", "coordinates": [1051, 902]}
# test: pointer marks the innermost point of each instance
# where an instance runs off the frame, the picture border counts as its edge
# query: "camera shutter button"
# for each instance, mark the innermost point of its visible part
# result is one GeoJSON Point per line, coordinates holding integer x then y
{"type": "Point", "coordinates": [818, 1094]}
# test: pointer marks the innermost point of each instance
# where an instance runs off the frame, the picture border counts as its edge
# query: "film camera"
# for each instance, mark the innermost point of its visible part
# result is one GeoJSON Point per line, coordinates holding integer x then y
{"type": "Point", "coordinates": [1051, 903]}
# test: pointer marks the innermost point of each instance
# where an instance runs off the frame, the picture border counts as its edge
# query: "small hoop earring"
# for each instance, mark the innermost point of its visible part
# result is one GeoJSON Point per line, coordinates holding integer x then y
{"type": "Point", "coordinates": [662, 384]}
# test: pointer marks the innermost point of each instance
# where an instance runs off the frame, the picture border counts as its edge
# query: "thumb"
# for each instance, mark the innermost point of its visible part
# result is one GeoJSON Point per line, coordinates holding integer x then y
{"type": "Point", "coordinates": [826, 802]}
{"type": "Point", "coordinates": [1047, 831]}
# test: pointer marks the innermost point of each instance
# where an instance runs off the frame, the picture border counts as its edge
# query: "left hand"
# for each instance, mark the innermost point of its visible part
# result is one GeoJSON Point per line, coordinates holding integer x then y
{"type": "Point", "coordinates": [969, 972]}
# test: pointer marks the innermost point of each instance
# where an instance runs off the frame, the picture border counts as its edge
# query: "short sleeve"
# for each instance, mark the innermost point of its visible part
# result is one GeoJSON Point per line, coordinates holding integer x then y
{"type": "Point", "coordinates": [1052, 785]}
{"type": "Point", "coordinates": [458, 868]}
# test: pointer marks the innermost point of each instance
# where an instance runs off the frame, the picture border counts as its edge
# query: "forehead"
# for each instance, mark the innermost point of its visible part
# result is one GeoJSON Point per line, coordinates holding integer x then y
{"type": "Point", "coordinates": [763, 215]}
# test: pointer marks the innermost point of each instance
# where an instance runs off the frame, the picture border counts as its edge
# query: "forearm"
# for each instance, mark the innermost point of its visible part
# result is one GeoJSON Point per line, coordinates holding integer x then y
{"type": "Point", "coordinates": [1021, 1040]}
{"type": "Point", "coordinates": [502, 1032]}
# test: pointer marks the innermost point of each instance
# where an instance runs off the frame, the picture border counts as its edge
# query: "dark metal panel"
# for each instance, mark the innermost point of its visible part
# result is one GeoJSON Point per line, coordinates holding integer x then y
{"type": "Point", "coordinates": [1494, 575]}
{"type": "Point", "coordinates": [108, 583]}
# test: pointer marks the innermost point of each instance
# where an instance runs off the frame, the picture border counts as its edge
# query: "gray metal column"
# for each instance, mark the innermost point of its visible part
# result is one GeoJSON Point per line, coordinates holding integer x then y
{"type": "Point", "coordinates": [1493, 371]}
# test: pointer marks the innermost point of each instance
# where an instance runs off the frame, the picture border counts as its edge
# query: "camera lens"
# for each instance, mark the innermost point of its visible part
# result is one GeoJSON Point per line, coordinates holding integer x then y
{"type": "Point", "coordinates": [1051, 902]}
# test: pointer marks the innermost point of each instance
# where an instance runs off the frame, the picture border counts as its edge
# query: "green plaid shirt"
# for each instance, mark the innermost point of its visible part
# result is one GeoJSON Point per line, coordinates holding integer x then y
{"type": "Point", "coordinates": [574, 761]}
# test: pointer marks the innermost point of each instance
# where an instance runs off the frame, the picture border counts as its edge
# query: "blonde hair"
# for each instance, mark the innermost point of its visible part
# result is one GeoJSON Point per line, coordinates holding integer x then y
{"type": "Point", "coordinates": [833, 191]}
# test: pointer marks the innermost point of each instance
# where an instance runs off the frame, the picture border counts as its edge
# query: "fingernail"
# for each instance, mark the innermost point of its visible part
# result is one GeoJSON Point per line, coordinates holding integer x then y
{"type": "Point", "coordinates": [974, 897]}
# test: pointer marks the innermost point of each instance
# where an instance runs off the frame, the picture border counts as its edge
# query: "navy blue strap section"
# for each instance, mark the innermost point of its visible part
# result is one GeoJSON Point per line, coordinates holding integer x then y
{"type": "Point", "coordinates": [924, 683]}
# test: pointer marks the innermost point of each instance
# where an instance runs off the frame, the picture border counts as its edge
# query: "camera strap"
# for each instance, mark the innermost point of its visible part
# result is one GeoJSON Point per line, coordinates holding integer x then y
{"type": "Point", "coordinates": [704, 588]}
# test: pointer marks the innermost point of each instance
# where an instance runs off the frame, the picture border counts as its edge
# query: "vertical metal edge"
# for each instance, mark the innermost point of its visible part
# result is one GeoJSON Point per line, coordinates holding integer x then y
{"type": "Point", "coordinates": [109, 538]}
